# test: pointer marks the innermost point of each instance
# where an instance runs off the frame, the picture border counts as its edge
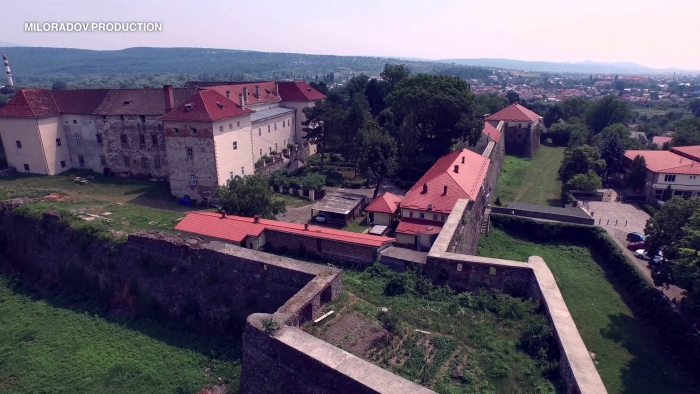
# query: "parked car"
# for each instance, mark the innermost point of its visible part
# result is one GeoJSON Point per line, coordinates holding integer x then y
{"type": "Point", "coordinates": [636, 237]}
{"type": "Point", "coordinates": [636, 245]}
{"type": "Point", "coordinates": [321, 217]}
{"type": "Point", "coordinates": [642, 254]}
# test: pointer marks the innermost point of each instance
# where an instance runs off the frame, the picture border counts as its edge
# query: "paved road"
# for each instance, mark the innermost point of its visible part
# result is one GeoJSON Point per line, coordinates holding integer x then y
{"type": "Point", "coordinates": [619, 219]}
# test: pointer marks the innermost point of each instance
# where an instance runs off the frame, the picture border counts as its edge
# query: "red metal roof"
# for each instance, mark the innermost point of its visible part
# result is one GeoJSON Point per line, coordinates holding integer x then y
{"type": "Point", "coordinates": [491, 131]}
{"type": "Point", "coordinates": [30, 103]}
{"type": "Point", "coordinates": [205, 106]}
{"type": "Point", "coordinates": [299, 91]}
{"type": "Point", "coordinates": [266, 90]}
{"type": "Point", "coordinates": [237, 228]}
{"type": "Point", "coordinates": [514, 113]}
{"type": "Point", "coordinates": [666, 162]}
{"type": "Point", "coordinates": [465, 183]}
{"type": "Point", "coordinates": [691, 152]}
{"type": "Point", "coordinates": [384, 203]}
{"type": "Point", "coordinates": [418, 226]}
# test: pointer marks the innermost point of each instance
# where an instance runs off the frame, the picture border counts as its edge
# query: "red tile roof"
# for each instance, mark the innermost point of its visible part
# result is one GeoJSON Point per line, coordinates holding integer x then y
{"type": "Point", "coordinates": [237, 228]}
{"type": "Point", "coordinates": [31, 103]}
{"type": "Point", "coordinates": [384, 203]}
{"type": "Point", "coordinates": [660, 140]}
{"type": "Point", "coordinates": [418, 226]}
{"type": "Point", "coordinates": [81, 101]}
{"type": "Point", "coordinates": [491, 131]}
{"type": "Point", "coordinates": [514, 113]}
{"type": "Point", "coordinates": [462, 184]}
{"type": "Point", "coordinates": [266, 89]}
{"type": "Point", "coordinates": [691, 152]}
{"type": "Point", "coordinates": [137, 102]}
{"type": "Point", "coordinates": [299, 91]}
{"type": "Point", "coordinates": [205, 106]}
{"type": "Point", "coordinates": [666, 162]}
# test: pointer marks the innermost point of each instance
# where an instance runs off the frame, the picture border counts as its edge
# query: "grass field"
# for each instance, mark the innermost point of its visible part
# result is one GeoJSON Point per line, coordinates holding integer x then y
{"type": "Point", "coordinates": [478, 336]}
{"type": "Point", "coordinates": [627, 355]}
{"type": "Point", "coordinates": [59, 346]}
{"type": "Point", "coordinates": [533, 181]}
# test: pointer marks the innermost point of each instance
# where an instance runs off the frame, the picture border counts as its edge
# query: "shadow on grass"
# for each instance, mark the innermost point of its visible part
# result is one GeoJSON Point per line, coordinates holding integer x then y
{"type": "Point", "coordinates": [173, 334]}
{"type": "Point", "coordinates": [555, 202]}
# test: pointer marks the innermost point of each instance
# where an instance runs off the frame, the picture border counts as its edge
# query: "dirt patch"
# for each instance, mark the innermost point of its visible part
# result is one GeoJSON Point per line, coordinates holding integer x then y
{"type": "Point", "coordinates": [355, 334]}
{"type": "Point", "coordinates": [55, 197]}
{"type": "Point", "coordinates": [215, 389]}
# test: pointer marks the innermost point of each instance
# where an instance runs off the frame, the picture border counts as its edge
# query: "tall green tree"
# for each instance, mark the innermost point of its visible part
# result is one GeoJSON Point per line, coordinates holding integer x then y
{"type": "Point", "coordinates": [574, 108]}
{"type": "Point", "coordinates": [357, 116]}
{"type": "Point", "coordinates": [393, 74]}
{"type": "Point", "coordinates": [378, 153]}
{"type": "Point", "coordinates": [687, 133]}
{"type": "Point", "coordinates": [607, 111]}
{"type": "Point", "coordinates": [621, 132]}
{"type": "Point", "coordinates": [560, 133]}
{"type": "Point", "coordinates": [637, 177]}
{"type": "Point", "coordinates": [438, 111]}
{"type": "Point", "coordinates": [249, 196]}
{"type": "Point", "coordinates": [612, 151]}
{"type": "Point", "coordinates": [323, 121]}
{"type": "Point", "coordinates": [589, 181]}
{"type": "Point", "coordinates": [489, 103]}
{"type": "Point", "coordinates": [513, 97]}
{"type": "Point", "coordinates": [581, 160]}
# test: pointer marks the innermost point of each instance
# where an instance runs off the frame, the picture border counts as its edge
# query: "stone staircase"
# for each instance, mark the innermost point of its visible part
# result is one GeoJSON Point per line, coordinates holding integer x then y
{"type": "Point", "coordinates": [486, 222]}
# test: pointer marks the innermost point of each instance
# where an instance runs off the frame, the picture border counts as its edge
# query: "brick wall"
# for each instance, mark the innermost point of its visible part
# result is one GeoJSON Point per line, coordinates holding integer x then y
{"type": "Point", "coordinates": [179, 137]}
{"type": "Point", "coordinates": [333, 250]}
{"type": "Point", "coordinates": [140, 139]}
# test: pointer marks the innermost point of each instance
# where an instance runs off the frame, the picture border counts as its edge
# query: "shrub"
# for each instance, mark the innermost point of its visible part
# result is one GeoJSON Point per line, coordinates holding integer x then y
{"type": "Point", "coordinates": [334, 178]}
{"type": "Point", "coordinates": [334, 158]}
{"type": "Point", "coordinates": [270, 325]}
{"type": "Point", "coordinates": [497, 202]}
{"type": "Point", "coordinates": [290, 146]}
{"type": "Point", "coordinates": [395, 286]}
{"type": "Point", "coordinates": [354, 183]}
{"type": "Point", "coordinates": [390, 322]}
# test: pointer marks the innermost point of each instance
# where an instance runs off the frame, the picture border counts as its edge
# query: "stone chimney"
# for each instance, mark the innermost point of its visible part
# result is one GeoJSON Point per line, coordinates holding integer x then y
{"type": "Point", "coordinates": [169, 99]}
{"type": "Point", "coordinates": [462, 159]}
{"type": "Point", "coordinates": [245, 93]}
{"type": "Point", "coordinates": [425, 188]}
{"type": "Point", "coordinates": [456, 168]}
{"type": "Point", "coordinates": [228, 94]}
{"type": "Point", "coordinates": [242, 100]}
{"type": "Point", "coordinates": [256, 219]}
{"type": "Point", "coordinates": [444, 190]}
{"type": "Point", "coordinates": [306, 226]}
{"type": "Point", "coordinates": [223, 214]}
{"type": "Point", "coordinates": [277, 89]}
{"type": "Point", "coordinates": [257, 91]}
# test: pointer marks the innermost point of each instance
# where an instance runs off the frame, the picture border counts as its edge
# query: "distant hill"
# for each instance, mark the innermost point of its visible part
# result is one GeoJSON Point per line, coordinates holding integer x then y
{"type": "Point", "coordinates": [580, 67]}
{"type": "Point", "coordinates": [5, 44]}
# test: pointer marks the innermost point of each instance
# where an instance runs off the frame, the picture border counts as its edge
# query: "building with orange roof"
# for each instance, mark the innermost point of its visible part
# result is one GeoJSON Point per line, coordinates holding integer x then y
{"type": "Point", "coordinates": [256, 233]}
{"type": "Point", "coordinates": [522, 129]}
{"type": "Point", "coordinates": [678, 169]}
{"type": "Point", "coordinates": [384, 209]}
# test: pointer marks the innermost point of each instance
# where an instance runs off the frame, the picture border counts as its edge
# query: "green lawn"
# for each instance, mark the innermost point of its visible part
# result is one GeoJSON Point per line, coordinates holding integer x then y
{"type": "Point", "coordinates": [358, 225]}
{"type": "Point", "coordinates": [46, 347]}
{"type": "Point", "coordinates": [292, 201]}
{"type": "Point", "coordinates": [627, 355]}
{"type": "Point", "coordinates": [533, 181]}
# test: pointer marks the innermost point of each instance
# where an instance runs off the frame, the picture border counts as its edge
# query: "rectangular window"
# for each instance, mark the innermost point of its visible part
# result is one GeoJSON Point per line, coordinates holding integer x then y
{"type": "Point", "coordinates": [268, 129]}
{"type": "Point", "coordinates": [260, 152]}
{"type": "Point", "coordinates": [154, 139]}
{"type": "Point", "coordinates": [156, 161]}
{"type": "Point", "coordinates": [435, 217]}
{"type": "Point", "coordinates": [410, 214]}
{"type": "Point", "coordinates": [103, 161]}
{"type": "Point", "coordinates": [194, 131]}
{"type": "Point", "coordinates": [81, 160]}
{"type": "Point", "coordinates": [422, 215]}
{"type": "Point", "coordinates": [459, 267]}
{"type": "Point", "coordinates": [190, 152]}
{"type": "Point", "coordinates": [284, 123]}
{"type": "Point", "coordinates": [123, 138]}
{"type": "Point", "coordinates": [238, 124]}
{"type": "Point", "coordinates": [26, 167]}
{"type": "Point", "coordinates": [99, 138]}
{"type": "Point", "coordinates": [658, 194]}
{"type": "Point", "coordinates": [259, 132]}
{"type": "Point", "coordinates": [193, 180]}
{"type": "Point", "coordinates": [692, 177]}
{"type": "Point", "coordinates": [242, 170]}
{"type": "Point", "coordinates": [142, 138]}
{"type": "Point", "coordinates": [75, 121]}
{"type": "Point", "coordinates": [231, 174]}
{"type": "Point", "coordinates": [77, 139]}
{"type": "Point", "coordinates": [442, 218]}
{"type": "Point", "coordinates": [235, 145]}
{"type": "Point", "coordinates": [221, 129]}
{"type": "Point", "coordinates": [58, 142]}
{"type": "Point", "coordinates": [275, 126]}
{"type": "Point", "coordinates": [126, 161]}
{"type": "Point", "coordinates": [492, 270]}
{"type": "Point", "coordinates": [669, 178]}
{"type": "Point", "coordinates": [19, 144]}
{"type": "Point", "coordinates": [63, 164]}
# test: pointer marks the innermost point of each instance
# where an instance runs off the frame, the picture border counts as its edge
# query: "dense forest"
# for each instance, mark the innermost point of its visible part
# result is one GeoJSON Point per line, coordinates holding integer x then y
{"type": "Point", "coordinates": [139, 67]}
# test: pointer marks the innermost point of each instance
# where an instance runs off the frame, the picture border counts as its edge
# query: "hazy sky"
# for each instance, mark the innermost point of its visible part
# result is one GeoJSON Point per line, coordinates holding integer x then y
{"type": "Point", "coordinates": [651, 32]}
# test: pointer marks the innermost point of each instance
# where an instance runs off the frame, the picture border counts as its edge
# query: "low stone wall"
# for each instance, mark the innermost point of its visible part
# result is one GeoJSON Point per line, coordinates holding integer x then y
{"type": "Point", "coordinates": [288, 360]}
{"type": "Point", "coordinates": [533, 279]}
{"type": "Point", "coordinates": [543, 215]}
{"type": "Point", "coordinates": [299, 152]}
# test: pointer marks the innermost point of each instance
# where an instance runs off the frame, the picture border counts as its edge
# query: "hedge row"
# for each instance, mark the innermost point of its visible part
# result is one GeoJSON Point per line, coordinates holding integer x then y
{"type": "Point", "coordinates": [646, 300]}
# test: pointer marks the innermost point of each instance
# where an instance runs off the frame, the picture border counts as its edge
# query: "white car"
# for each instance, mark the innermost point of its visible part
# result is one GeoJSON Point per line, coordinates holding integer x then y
{"type": "Point", "coordinates": [642, 254]}
{"type": "Point", "coordinates": [321, 217]}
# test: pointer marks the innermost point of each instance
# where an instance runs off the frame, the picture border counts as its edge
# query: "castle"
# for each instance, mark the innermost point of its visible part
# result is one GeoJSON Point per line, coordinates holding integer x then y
{"type": "Point", "coordinates": [198, 136]}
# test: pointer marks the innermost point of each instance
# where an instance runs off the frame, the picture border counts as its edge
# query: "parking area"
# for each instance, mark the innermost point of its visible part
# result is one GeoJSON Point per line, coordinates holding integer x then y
{"type": "Point", "coordinates": [619, 219]}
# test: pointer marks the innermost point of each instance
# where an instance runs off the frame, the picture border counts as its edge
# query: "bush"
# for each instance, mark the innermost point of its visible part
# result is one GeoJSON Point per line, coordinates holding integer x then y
{"type": "Point", "coordinates": [646, 299]}
{"type": "Point", "coordinates": [334, 178]}
{"type": "Point", "coordinates": [390, 322]}
{"type": "Point", "coordinates": [497, 202]}
{"type": "Point", "coordinates": [649, 209]}
{"type": "Point", "coordinates": [354, 183]}
{"type": "Point", "coordinates": [334, 158]}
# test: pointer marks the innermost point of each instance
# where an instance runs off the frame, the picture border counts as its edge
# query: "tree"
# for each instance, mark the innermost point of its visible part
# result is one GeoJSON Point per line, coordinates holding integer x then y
{"type": "Point", "coordinates": [356, 85]}
{"type": "Point", "coordinates": [694, 107]}
{"type": "Point", "coordinates": [665, 229]}
{"type": "Point", "coordinates": [3, 100]}
{"type": "Point", "coordinates": [489, 103]}
{"type": "Point", "coordinates": [581, 160]}
{"type": "Point", "coordinates": [612, 151]}
{"type": "Point", "coordinates": [376, 92]}
{"type": "Point", "coordinates": [437, 110]}
{"type": "Point", "coordinates": [320, 86]}
{"type": "Point", "coordinates": [378, 154]}
{"type": "Point", "coordinates": [667, 194]}
{"type": "Point", "coordinates": [577, 138]}
{"type": "Point", "coordinates": [574, 108]}
{"type": "Point", "coordinates": [637, 177]}
{"type": "Point", "coordinates": [323, 120]}
{"type": "Point", "coordinates": [357, 116]}
{"type": "Point", "coordinates": [607, 111]}
{"type": "Point", "coordinates": [560, 133]}
{"type": "Point", "coordinates": [589, 181]}
{"type": "Point", "coordinates": [59, 85]}
{"type": "Point", "coordinates": [686, 268]}
{"type": "Point", "coordinates": [623, 135]}
{"type": "Point", "coordinates": [394, 73]}
{"type": "Point", "coordinates": [513, 97]}
{"type": "Point", "coordinates": [686, 134]}
{"type": "Point", "coordinates": [249, 196]}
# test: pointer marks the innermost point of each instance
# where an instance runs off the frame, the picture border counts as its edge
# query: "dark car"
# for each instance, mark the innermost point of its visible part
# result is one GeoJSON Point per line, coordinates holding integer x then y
{"type": "Point", "coordinates": [636, 237]}
{"type": "Point", "coordinates": [636, 245]}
